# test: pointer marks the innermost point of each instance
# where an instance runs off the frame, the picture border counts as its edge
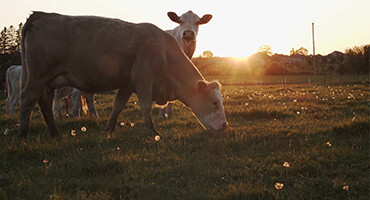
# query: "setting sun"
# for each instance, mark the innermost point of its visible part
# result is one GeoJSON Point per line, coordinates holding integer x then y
{"type": "Point", "coordinates": [238, 28]}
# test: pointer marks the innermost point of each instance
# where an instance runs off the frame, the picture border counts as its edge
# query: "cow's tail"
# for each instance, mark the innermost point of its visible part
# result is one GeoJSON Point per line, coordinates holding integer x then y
{"type": "Point", "coordinates": [27, 28]}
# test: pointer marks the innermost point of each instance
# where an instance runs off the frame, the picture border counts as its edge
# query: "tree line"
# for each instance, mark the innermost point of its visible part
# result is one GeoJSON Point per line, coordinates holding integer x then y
{"type": "Point", "coordinates": [355, 60]}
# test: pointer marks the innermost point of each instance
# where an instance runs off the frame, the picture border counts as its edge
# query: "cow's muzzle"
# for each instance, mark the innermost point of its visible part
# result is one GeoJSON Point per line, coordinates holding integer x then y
{"type": "Point", "coordinates": [188, 35]}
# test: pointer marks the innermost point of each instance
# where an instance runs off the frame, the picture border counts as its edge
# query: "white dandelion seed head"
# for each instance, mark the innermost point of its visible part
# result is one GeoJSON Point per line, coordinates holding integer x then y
{"type": "Point", "coordinates": [279, 186]}
{"type": "Point", "coordinates": [286, 164]}
{"type": "Point", "coordinates": [122, 124]}
{"type": "Point", "coordinates": [157, 138]}
{"type": "Point", "coordinates": [6, 131]}
{"type": "Point", "coordinates": [83, 129]}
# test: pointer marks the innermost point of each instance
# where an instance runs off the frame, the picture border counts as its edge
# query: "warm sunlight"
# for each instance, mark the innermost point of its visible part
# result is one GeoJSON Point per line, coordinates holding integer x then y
{"type": "Point", "coordinates": [238, 28]}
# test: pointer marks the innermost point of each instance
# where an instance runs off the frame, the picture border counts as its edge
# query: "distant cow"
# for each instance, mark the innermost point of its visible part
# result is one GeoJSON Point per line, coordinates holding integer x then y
{"type": "Point", "coordinates": [76, 102]}
{"type": "Point", "coordinates": [13, 75]}
{"type": "Point", "coordinates": [185, 33]}
{"type": "Point", "coordinates": [96, 54]}
{"type": "Point", "coordinates": [12, 78]}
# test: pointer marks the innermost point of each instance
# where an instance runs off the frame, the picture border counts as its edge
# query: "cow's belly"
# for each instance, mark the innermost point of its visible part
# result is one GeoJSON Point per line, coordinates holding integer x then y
{"type": "Point", "coordinates": [91, 85]}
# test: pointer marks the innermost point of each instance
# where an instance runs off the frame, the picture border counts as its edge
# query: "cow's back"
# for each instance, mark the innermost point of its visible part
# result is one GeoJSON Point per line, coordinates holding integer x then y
{"type": "Point", "coordinates": [94, 49]}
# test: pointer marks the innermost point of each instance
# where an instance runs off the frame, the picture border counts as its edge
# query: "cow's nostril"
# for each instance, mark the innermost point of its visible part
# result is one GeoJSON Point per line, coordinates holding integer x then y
{"type": "Point", "coordinates": [188, 34]}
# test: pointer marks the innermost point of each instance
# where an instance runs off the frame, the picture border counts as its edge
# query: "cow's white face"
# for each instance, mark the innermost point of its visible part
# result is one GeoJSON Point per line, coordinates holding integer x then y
{"type": "Point", "coordinates": [207, 106]}
{"type": "Point", "coordinates": [189, 24]}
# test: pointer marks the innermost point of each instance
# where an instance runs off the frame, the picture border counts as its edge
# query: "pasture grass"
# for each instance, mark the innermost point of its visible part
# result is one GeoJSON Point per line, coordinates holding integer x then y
{"type": "Point", "coordinates": [322, 132]}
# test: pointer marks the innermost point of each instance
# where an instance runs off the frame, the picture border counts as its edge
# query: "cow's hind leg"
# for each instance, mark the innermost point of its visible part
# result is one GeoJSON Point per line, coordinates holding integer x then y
{"type": "Point", "coordinates": [120, 102]}
{"type": "Point", "coordinates": [28, 101]}
{"type": "Point", "coordinates": [45, 103]}
{"type": "Point", "coordinates": [76, 102]}
{"type": "Point", "coordinates": [90, 100]}
{"type": "Point", "coordinates": [57, 113]}
{"type": "Point", "coordinates": [13, 103]}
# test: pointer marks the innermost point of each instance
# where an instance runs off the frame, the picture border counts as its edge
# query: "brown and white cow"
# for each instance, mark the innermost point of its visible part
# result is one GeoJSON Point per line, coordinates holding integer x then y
{"type": "Point", "coordinates": [96, 54]}
{"type": "Point", "coordinates": [186, 35]}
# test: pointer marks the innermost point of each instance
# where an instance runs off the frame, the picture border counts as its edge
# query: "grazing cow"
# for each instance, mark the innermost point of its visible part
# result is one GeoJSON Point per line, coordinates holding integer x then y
{"type": "Point", "coordinates": [97, 54]}
{"type": "Point", "coordinates": [12, 77]}
{"type": "Point", "coordinates": [185, 34]}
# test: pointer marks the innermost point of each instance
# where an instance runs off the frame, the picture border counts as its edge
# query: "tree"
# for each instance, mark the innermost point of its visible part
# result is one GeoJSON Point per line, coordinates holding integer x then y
{"type": "Point", "coordinates": [301, 51]}
{"type": "Point", "coordinates": [4, 41]}
{"type": "Point", "coordinates": [18, 36]}
{"type": "Point", "coordinates": [207, 54]}
{"type": "Point", "coordinates": [356, 61]}
{"type": "Point", "coordinates": [265, 49]}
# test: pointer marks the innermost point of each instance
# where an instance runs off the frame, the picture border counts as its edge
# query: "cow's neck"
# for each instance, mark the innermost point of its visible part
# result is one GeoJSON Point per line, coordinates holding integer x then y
{"type": "Point", "coordinates": [183, 76]}
{"type": "Point", "coordinates": [188, 47]}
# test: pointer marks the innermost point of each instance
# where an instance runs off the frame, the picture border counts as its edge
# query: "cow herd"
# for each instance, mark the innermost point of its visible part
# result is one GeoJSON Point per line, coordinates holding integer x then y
{"type": "Point", "coordinates": [64, 55]}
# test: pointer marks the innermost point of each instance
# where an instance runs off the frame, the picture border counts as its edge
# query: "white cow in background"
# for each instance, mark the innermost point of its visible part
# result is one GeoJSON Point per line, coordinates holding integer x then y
{"type": "Point", "coordinates": [186, 34]}
{"type": "Point", "coordinates": [77, 105]}
{"type": "Point", "coordinates": [12, 78]}
{"type": "Point", "coordinates": [13, 75]}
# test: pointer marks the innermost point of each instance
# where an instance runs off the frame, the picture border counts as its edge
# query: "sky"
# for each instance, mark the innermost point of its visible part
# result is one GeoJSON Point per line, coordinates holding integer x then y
{"type": "Point", "coordinates": [238, 27]}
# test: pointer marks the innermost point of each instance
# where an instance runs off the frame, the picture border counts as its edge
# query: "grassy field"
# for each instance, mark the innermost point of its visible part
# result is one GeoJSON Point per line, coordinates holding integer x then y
{"type": "Point", "coordinates": [312, 139]}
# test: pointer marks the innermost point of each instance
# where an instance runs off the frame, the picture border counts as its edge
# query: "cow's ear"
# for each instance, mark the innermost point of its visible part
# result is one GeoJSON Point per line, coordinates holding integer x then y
{"type": "Point", "coordinates": [205, 19]}
{"type": "Point", "coordinates": [201, 86]}
{"type": "Point", "coordinates": [215, 85]}
{"type": "Point", "coordinates": [173, 16]}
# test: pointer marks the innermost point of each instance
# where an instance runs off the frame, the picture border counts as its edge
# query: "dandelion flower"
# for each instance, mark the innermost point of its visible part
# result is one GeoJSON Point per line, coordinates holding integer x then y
{"type": "Point", "coordinates": [246, 104]}
{"type": "Point", "coordinates": [83, 129]}
{"type": "Point", "coordinates": [295, 100]}
{"type": "Point", "coordinates": [279, 186]}
{"type": "Point", "coordinates": [286, 164]}
{"type": "Point", "coordinates": [157, 138]}
{"type": "Point", "coordinates": [6, 131]}
{"type": "Point", "coordinates": [132, 125]}
{"type": "Point", "coordinates": [166, 115]}
{"type": "Point", "coordinates": [346, 187]}
{"type": "Point", "coordinates": [298, 112]}
{"type": "Point", "coordinates": [73, 132]}
{"type": "Point", "coordinates": [118, 149]}
{"type": "Point", "coordinates": [45, 161]}
{"type": "Point", "coordinates": [329, 144]}
{"type": "Point", "coordinates": [122, 124]}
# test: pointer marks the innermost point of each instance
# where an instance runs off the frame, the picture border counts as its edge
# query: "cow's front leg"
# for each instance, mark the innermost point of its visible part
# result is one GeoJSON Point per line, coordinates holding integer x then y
{"type": "Point", "coordinates": [120, 102]}
{"type": "Point", "coordinates": [144, 95]}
